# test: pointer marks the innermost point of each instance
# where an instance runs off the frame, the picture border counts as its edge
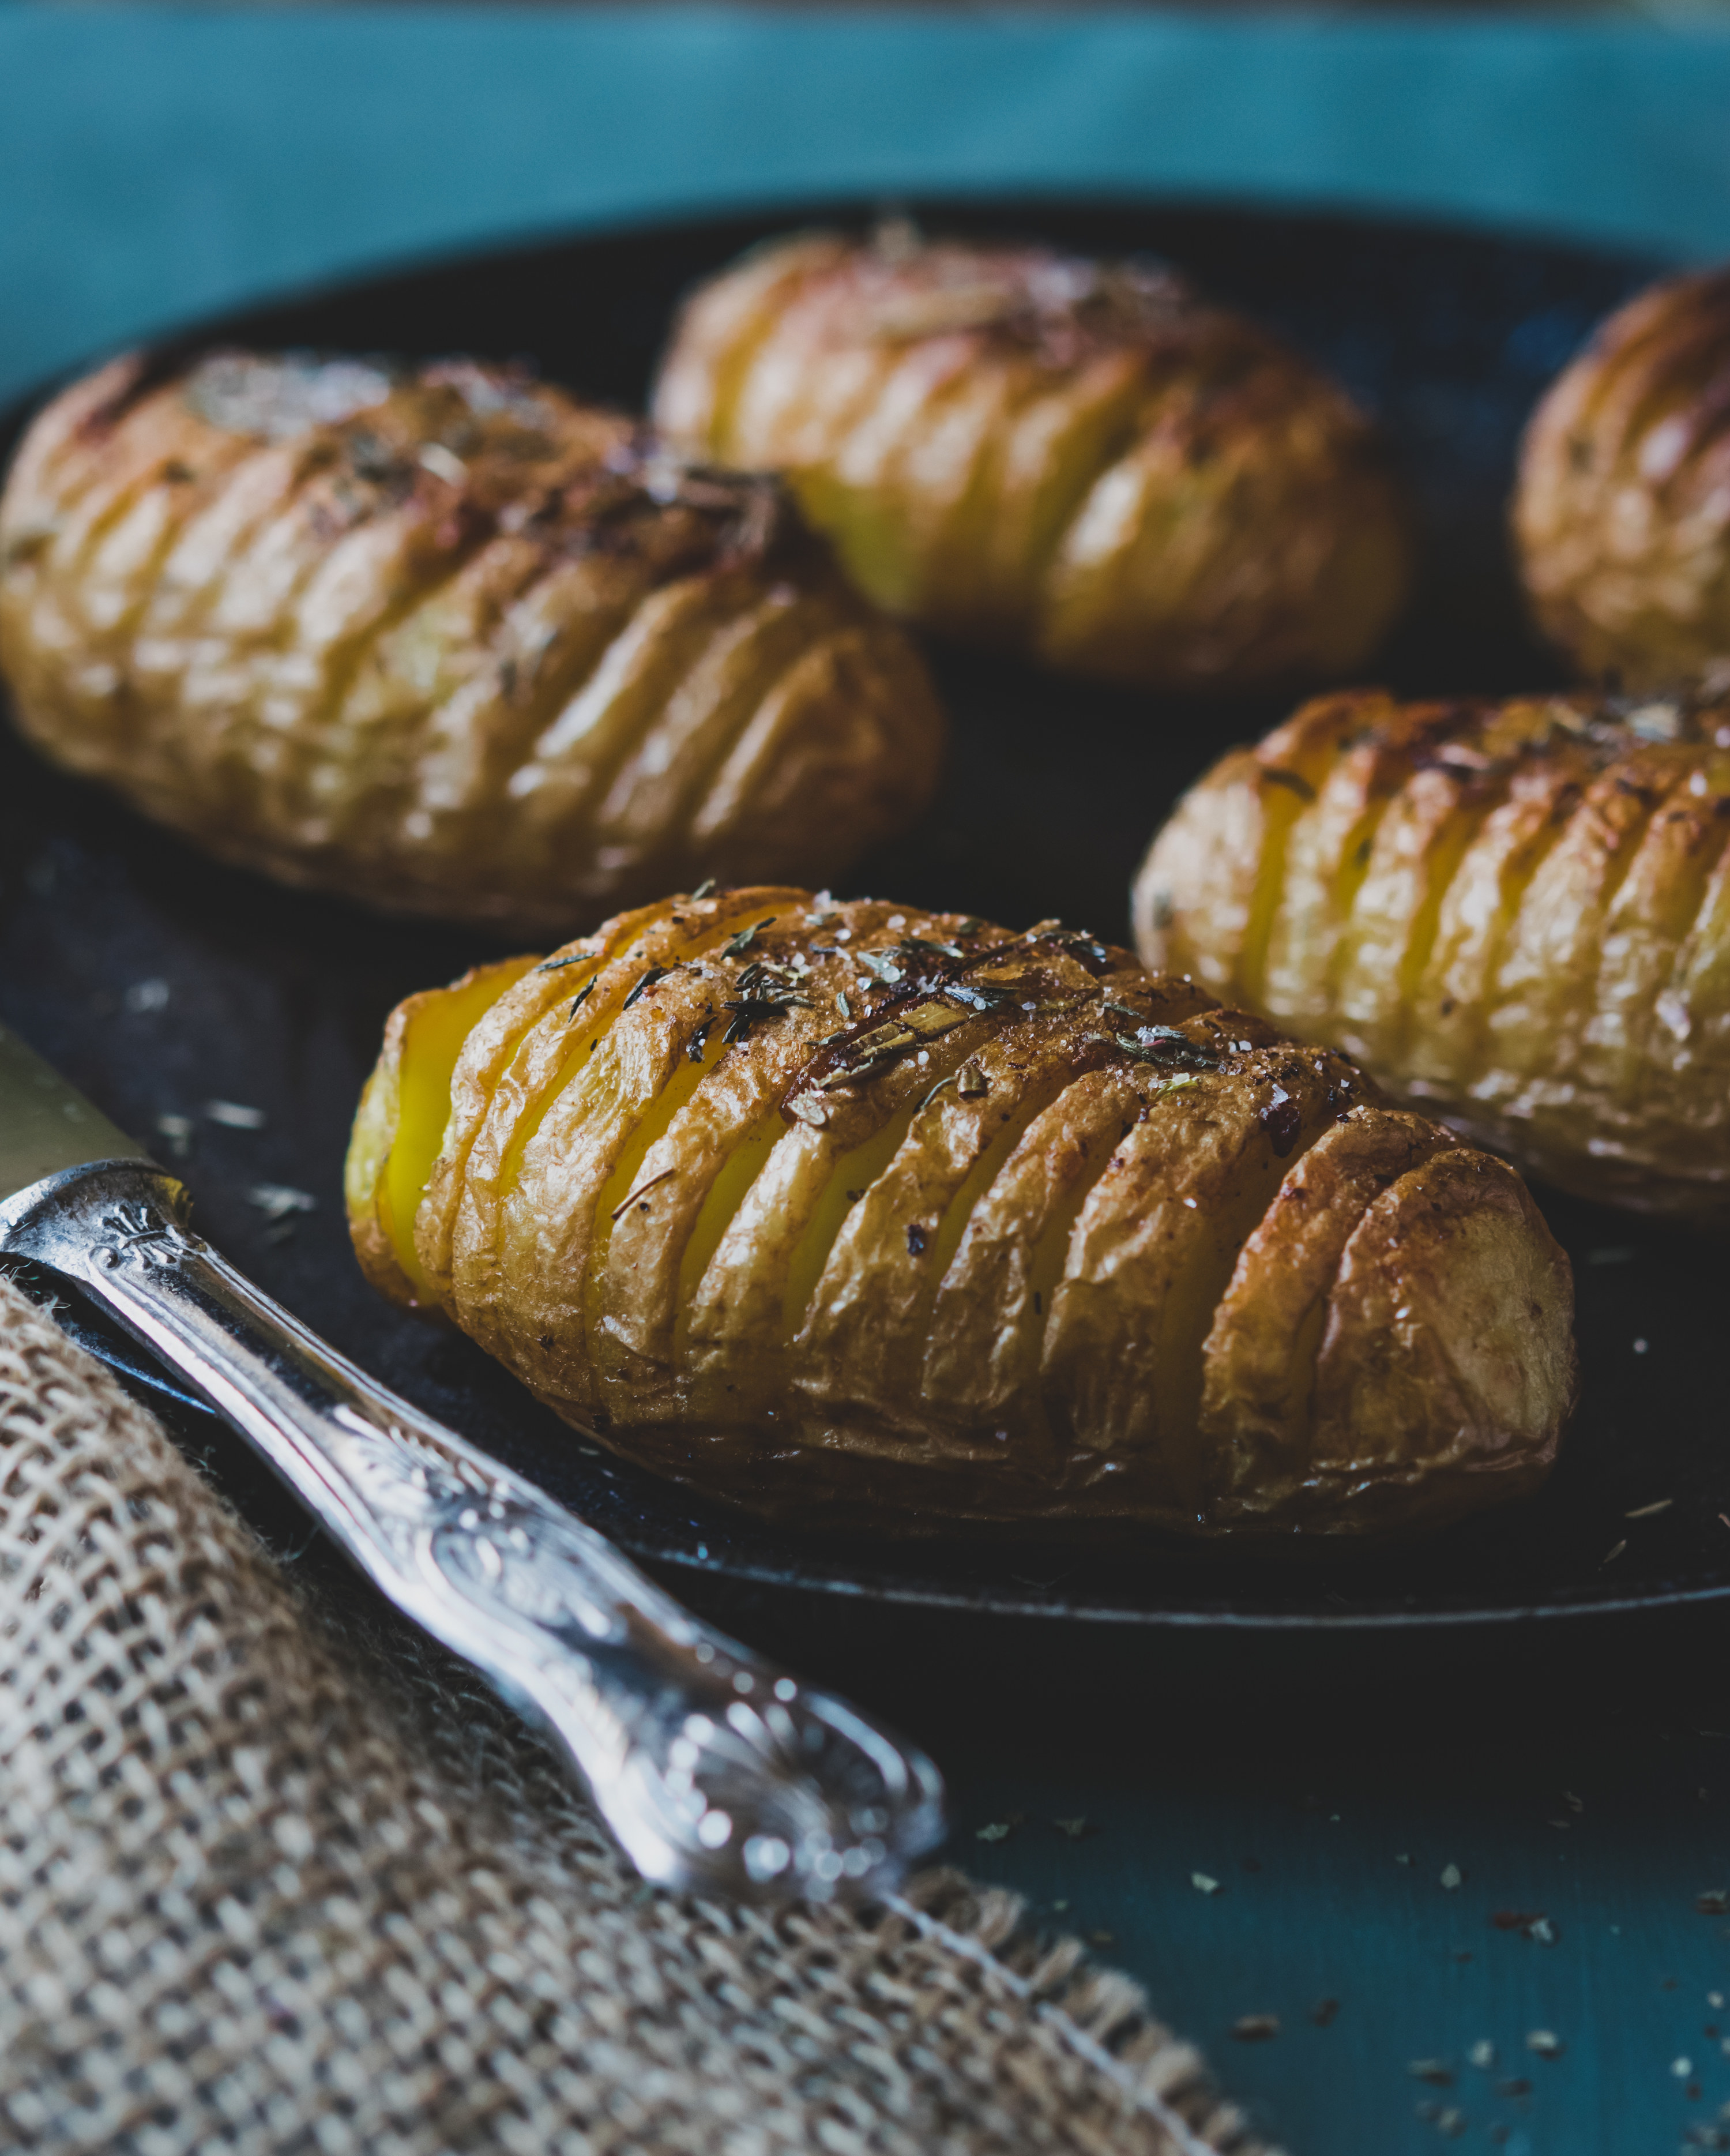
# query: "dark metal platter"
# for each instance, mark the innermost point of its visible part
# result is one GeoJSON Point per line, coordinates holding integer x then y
{"type": "Point", "coordinates": [159, 982]}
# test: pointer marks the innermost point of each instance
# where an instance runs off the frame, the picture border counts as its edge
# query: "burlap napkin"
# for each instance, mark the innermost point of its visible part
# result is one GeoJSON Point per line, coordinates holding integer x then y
{"type": "Point", "coordinates": [266, 1885]}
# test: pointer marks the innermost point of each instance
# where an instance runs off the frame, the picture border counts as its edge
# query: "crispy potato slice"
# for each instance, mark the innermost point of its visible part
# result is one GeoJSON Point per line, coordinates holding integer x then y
{"type": "Point", "coordinates": [1447, 1306]}
{"type": "Point", "coordinates": [1258, 1361]}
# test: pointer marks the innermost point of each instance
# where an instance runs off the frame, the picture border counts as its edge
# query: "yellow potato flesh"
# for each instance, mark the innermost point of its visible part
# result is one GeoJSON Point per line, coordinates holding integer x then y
{"type": "Point", "coordinates": [433, 1042]}
{"type": "Point", "coordinates": [404, 1115]}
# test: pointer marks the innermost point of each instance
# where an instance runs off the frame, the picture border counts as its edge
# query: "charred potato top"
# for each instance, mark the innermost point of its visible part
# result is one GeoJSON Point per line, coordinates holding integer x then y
{"type": "Point", "coordinates": [860, 1214]}
{"type": "Point", "coordinates": [1515, 915]}
{"type": "Point", "coordinates": [444, 641]}
{"type": "Point", "coordinates": [1623, 512]}
{"type": "Point", "coordinates": [1076, 458]}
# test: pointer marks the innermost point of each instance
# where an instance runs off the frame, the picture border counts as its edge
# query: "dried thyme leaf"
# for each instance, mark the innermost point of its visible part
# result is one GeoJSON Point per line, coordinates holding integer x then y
{"type": "Point", "coordinates": [736, 946]}
{"type": "Point", "coordinates": [979, 995]}
{"type": "Point", "coordinates": [558, 965]}
{"type": "Point", "coordinates": [1075, 939]}
{"type": "Point", "coordinates": [757, 1010]}
{"type": "Point", "coordinates": [646, 982]}
{"type": "Point", "coordinates": [582, 997]}
{"type": "Point", "coordinates": [1162, 1046]}
{"type": "Point", "coordinates": [885, 1040]}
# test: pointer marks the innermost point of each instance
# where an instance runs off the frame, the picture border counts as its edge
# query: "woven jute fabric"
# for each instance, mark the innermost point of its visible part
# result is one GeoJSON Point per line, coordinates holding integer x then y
{"type": "Point", "coordinates": [272, 1884]}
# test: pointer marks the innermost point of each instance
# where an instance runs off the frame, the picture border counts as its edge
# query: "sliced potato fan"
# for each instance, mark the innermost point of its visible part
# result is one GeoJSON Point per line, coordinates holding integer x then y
{"type": "Point", "coordinates": [860, 1214]}
{"type": "Point", "coordinates": [446, 640]}
{"type": "Point", "coordinates": [1621, 517]}
{"type": "Point", "coordinates": [1516, 916]}
{"type": "Point", "coordinates": [1079, 458]}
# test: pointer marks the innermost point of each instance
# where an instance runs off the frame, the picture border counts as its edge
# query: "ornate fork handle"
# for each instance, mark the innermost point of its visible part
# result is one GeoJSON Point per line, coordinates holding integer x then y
{"type": "Point", "coordinates": [716, 1770]}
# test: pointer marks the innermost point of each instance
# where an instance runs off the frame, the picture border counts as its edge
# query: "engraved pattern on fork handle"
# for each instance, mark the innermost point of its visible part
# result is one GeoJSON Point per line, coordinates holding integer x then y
{"type": "Point", "coordinates": [717, 1771]}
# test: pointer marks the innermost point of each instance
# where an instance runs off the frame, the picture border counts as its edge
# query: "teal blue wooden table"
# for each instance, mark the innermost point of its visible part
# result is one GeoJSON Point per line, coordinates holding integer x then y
{"type": "Point", "coordinates": [1408, 1929]}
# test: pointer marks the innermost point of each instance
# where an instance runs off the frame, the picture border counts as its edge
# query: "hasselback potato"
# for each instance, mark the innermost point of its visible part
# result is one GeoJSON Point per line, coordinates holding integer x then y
{"type": "Point", "coordinates": [444, 641]}
{"type": "Point", "coordinates": [1075, 458]}
{"type": "Point", "coordinates": [1517, 916]}
{"type": "Point", "coordinates": [1622, 515]}
{"type": "Point", "coordinates": [860, 1215]}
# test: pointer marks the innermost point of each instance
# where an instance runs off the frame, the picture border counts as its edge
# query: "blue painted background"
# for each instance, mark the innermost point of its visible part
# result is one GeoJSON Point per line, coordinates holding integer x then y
{"type": "Point", "coordinates": [155, 163]}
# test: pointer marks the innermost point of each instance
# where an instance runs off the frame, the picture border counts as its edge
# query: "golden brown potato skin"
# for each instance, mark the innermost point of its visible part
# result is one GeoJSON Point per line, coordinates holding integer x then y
{"type": "Point", "coordinates": [1622, 516]}
{"type": "Point", "coordinates": [1073, 457]}
{"type": "Point", "coordinates": [447, 642]}
{"type": "Point", "coordinates": [865, 1217]}
{"type": "Point", "coordinates": [1517, 916]}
